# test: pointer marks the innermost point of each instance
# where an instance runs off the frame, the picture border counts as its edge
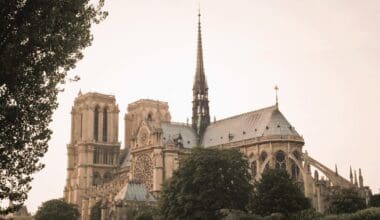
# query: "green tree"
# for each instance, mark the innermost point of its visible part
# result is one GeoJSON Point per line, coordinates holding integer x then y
{"type": "Point", "coordinates": [207, 180]}
{"type": "Point", "coordinates": [375, 200]}
{"type": "Point", "coordinates": [276, 192]}
{"type": "Point", "coordinates": [142, 211]}
{"type": "Point", "coordinates": [96, 211]}
{"type": "Point", "coordinates": [40, 41]}
{"type": "Point", "coordinates": [57, 209]}
{"type": "Point", "coordinates": [345, 201]}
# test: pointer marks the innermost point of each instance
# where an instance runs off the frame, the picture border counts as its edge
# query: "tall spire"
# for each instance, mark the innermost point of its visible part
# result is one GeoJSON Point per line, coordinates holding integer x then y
{"type": "Point", "coordinates": [201, 115]}
{"type": "Point", "coordinates": [360, 178]}
{"type": "Point", "coordinates": [200, 81]}
{"type": "Point", "coordinates": [351, 176]}
{"type": "Point", "coordinates": [276, 88]}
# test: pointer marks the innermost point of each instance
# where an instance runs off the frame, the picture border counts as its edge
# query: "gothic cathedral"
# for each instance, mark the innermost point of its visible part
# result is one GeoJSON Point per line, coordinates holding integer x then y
{"type": "Point", "coordinates": [99, 170]}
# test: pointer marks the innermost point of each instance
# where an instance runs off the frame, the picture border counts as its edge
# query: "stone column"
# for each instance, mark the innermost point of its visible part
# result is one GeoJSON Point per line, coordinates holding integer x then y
{"type": "Point", "coordinates": [91, 203]}
{"type": "Point", "coordinates": [115, 126]}
{"type": "Point", "coordinates": [73, 127]}
{"type": "Point", "coordinates": [88, 124]}
{"type": "Point", "coordinates": [158, 170]}
{"type": "Point", "coordinates": [84, 210]}
{"type": "Point", "coordinates": [118, 205]}
{"type": "Point", "coordinates": [103, 215]}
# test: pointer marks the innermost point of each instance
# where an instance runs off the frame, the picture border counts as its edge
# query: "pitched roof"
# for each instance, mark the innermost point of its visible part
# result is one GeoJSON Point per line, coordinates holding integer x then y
{"type": "Point", "coordinates": [172, 131]}
{"type": "Point", "coordinates": [260, 123]}
{"type": "Point", "coordinates": [126, 161]}
{"type": "Point", "coordinates": [134, 192]}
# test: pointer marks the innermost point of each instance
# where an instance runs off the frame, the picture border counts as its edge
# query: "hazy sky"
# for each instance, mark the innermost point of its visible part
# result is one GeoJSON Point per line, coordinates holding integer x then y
{"type": "Point", "coordinates": [324, 55]}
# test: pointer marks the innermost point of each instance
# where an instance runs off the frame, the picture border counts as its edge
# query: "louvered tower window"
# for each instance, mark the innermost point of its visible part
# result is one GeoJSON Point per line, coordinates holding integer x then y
{"type": "Point", "coordinates": [96, 123]}
{"type": "Point", "coordinates": [105, 124]}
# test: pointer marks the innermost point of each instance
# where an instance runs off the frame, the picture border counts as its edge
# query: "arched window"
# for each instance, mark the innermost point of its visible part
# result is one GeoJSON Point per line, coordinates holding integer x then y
{"type": "Point", "coordinates": [96, 179]}
{"type": "Point", "coordinates": [254, 168]}
{"type": "Point", "coordinates": [150, 118]}
{"type": "Point", "coordinates": [295, 170]}
{"type": "Point", "coordinates": [96, 123]}
{"type": "Point", "coordinates": [263, 157]}
{"type": "Point", "coordinates": [280, 160]}
{"type": "Point", "coordinates": [105, 124]}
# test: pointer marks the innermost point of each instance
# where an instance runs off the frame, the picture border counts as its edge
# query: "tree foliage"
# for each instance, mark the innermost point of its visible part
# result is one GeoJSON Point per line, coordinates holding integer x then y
{"type": "Point", "coordinates": [57, 209]}
{"type": "Point", "coordinates": [207, 180]}
{"type": "Point", "coordinates": [276, 192]}
{"type": "Point", "coordinates": [141, 211]}
{"type": "Point", "coordinates": [40, 41]}
{"type": "Point", "coordinates": [96, 211]}
{"type": "Point", "coordinates": [345, 201]}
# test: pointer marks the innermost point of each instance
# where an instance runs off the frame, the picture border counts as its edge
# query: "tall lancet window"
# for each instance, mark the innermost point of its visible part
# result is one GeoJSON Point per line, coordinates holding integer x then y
{"type": "Point", "coordinates": [105, 124]}
{"type": "Point", "coordinates": [280, 160]}
{"type": "Point", "coordinates": [96, 123]}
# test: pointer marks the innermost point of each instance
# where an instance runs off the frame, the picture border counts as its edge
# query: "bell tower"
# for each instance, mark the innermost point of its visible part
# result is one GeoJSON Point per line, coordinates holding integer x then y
{"type": "Point", "coordinates": [94, 148]}
{"type": "Point", "coordinates": [201, 114]}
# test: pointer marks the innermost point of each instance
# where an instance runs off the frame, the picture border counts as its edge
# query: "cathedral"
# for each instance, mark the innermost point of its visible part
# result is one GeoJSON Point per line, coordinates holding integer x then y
{"type": "Point", "coordinates": [98, 169]}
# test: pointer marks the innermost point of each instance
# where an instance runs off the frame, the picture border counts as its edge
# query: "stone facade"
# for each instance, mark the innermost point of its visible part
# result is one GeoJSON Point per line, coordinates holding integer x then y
{"type": "Point", "coordinates": [94, 148]}
{"type": "Point", "coordinates": [98, 169]}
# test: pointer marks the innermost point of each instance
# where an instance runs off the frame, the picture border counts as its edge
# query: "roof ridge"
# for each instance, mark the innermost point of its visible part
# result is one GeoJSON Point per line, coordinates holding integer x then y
{"type": "Point", "coordinates": [246, 113]}
{"type": "Point", "coordinates": [177, 123]}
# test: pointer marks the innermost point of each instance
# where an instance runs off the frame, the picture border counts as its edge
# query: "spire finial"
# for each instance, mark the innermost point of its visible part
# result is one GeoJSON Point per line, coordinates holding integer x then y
{"type": "Point", "coordinates": [158, 111]}
{"type": "Point", "coordinates": [199, 9]}
{"type": "Point", "coordinates": [360, 178]}
{"type": "Point", "coordinates": [351, 176]}
{"type": "Point", "coordinates": [276, 89]}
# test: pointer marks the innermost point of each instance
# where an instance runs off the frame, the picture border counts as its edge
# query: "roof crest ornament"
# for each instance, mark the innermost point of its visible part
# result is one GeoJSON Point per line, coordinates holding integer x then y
{"type": "Point", "coordinates": [276, 88]}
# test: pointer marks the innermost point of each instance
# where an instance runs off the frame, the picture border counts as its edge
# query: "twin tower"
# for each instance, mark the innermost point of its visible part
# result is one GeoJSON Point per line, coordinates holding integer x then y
{"type": "Point", "coordinates": [94, 150]}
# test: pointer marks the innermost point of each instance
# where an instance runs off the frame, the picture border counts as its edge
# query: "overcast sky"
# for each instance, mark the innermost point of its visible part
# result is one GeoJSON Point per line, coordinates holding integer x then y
{"type": "Point", "coordinates": [324, 56]}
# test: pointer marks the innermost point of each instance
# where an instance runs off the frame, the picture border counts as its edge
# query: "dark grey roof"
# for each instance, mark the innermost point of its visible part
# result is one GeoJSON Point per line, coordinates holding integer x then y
{"type": "Point", "coordinates": [172, 131]}
{"type": "Point", "coordinates": [134, 192]}
{"type": "Point", "coordinates": [260, 123]}
{"type": "Point", "coordinates": [126, 161]}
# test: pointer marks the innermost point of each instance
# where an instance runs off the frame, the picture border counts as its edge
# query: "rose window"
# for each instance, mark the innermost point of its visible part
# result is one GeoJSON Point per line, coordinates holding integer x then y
{"type": "Point", "coordinates": [143, 170]}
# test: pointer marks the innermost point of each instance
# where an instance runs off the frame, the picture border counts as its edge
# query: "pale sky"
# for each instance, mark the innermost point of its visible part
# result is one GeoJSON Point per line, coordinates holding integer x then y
{"type": "Point", "coordinates": [324, 56]}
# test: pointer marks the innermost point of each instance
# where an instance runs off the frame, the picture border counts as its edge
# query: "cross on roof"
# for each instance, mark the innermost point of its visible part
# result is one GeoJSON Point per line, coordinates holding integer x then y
{"type": "Point", "coordinates": [276, 88]}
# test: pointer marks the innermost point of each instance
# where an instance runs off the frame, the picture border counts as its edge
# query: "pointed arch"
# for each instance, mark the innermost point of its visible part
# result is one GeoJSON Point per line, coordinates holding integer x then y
{"type": "Point", "coordinates": [150, 116]}
{"type": "Point", "coordinates": [96, 123]}
{"type": "Point", "coordinates": [107, 177]}
{"type": "Point", "coordinates": [96, 179]}
{"type": "Point", "coordinates": [105, 124]}
{"type": "Point", "coordinates": [264, 161]}
{"type": "Point", "coordinates": [297, 158]}
{"type": "Point", "coordinates": [280, 160]}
